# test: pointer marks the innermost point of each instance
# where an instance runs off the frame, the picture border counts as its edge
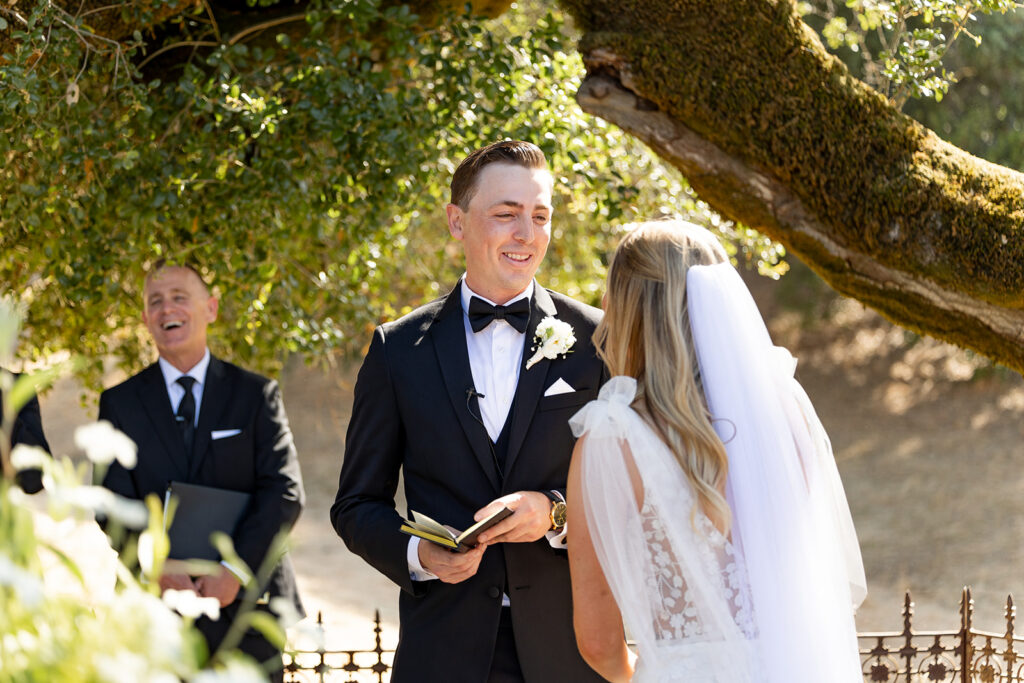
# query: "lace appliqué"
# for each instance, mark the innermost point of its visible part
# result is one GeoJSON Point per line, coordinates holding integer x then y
{"type": "Point", "coordinates": [676, 617]}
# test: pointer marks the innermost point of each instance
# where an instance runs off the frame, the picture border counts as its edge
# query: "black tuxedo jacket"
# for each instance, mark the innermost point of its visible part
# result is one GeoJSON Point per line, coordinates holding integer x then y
{"type": "Point", "coordinates": [411, 412]}
{"type": "Point", "coordinates": [28, 430]}
{"type": "Point", "coordinates": [260, 460]}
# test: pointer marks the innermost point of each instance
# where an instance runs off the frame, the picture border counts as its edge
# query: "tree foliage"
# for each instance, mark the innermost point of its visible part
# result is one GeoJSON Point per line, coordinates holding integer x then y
{"type": "Point", "coordinates": [899, 47]}
{"type": "Point", "coordinates": [300, 154]}
{"type": "Point", "coordinates": [303, 163]}
{"type": "Point", "coordinates": [983, 111]}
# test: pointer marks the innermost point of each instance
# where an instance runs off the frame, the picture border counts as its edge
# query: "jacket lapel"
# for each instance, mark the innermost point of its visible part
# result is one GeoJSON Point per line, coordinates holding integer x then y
{"type": "Point", "coordinates": [531, 382]}
{"type": "Point", "coordinates": [215, 401]}
{"type": "Point", "coordinates": [449, 338]}
{"type": "Point", "coordinates": [157, 405]}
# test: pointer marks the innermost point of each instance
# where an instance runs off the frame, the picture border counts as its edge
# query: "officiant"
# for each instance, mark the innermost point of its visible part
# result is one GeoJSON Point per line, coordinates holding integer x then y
{"type": "Point", "coordinates": [201, 420]}
{"type": "Point", "coordinates": [469, 398]}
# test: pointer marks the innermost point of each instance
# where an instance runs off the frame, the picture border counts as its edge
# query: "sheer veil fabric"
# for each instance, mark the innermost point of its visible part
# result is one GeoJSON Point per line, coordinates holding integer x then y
{"type": "Point", "coordinates": [774, 602]}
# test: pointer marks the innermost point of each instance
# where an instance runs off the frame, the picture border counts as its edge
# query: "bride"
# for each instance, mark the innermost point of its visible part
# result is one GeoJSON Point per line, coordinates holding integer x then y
{"type": "Point", "coordinates": [707, 518]}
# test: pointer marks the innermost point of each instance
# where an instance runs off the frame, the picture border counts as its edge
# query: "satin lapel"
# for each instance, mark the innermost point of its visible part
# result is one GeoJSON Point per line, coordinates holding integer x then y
{"type": "Point", "coordinates": [216, 393]}
{"type": "Point", "coordinates": [157, 405]}
{"type": "Point", "coordinates": [449, 338]}
{"type": "Point", "coordinates": [531, 382]}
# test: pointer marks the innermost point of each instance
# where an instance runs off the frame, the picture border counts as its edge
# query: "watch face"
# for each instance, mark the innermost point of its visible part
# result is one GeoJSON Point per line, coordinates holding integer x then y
{"type": "Point", "coordinates": [558, 514]}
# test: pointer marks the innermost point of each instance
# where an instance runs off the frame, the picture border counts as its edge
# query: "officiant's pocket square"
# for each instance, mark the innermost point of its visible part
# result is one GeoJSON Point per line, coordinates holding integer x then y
{"type": "Point", "coordinates": [223, 433]}
{"type": "Point", "coordinates": [559, 387]}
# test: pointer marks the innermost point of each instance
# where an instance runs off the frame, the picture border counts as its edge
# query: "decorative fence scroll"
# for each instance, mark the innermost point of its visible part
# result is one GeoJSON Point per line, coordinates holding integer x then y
{"type": "Point", "coordinates": [966, 655]}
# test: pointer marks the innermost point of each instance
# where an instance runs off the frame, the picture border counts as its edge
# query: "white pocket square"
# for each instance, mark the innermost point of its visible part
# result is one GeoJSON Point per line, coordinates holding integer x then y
{"type": "Point", "coordinates": [223, 433]}
{"type": "Point", "coordinates": [559, 387]}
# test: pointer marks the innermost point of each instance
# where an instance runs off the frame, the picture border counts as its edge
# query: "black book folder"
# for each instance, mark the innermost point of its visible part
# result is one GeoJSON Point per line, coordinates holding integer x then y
{"type": "Point", "coordinates": [201, 511]}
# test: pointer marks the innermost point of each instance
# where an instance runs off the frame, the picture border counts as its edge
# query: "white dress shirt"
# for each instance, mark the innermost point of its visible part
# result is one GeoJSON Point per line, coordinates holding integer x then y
{"type": "Point", "coordinates": [176, 392]}
{"type": "Point", "coordinates": [495, 357]}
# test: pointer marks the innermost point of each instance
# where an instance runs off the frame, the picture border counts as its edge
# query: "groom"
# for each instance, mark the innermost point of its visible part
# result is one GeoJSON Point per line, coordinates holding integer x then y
{"type": "Point", "coordinates": [448, 395]}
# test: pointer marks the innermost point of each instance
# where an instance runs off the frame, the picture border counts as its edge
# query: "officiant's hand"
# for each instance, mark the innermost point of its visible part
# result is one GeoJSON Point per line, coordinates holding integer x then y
{"type": "Point", "coordinates": [530, 519]}
{"type": "Point", "coordinates": [178, 582]}
{"type": "Point", "coordinates": [448, 566]}
{"type": "Point", "coordinates": [223, 585]}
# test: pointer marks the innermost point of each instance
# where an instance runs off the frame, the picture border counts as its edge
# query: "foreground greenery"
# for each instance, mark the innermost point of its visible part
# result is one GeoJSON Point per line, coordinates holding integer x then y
{"type": "Point", "coordinates": [60, 631]}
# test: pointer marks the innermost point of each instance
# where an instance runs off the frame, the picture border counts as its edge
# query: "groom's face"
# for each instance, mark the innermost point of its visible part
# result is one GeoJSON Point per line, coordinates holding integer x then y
{"type": "Point", "coordinates": [504, 229]}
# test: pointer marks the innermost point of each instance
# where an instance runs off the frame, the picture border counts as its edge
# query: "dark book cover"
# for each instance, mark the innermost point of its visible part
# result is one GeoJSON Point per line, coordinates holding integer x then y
{"type": "Point", "coordinates": [201, 511]}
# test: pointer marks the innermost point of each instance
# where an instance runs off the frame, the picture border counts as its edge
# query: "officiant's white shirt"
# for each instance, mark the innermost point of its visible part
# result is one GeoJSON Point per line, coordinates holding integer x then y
{"type": "Point", "coordinates": [176, 392]}
{"type": "Point", "coordinates": [495, 357]}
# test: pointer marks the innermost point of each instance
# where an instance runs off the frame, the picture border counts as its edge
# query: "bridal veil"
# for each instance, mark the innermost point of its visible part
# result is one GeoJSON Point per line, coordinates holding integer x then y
{"type": "Point", "coordinates": [774, 602]}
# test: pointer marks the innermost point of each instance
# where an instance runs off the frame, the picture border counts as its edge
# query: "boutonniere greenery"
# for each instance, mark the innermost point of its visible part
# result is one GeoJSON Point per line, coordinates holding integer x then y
{"type": "Point", "coordinates": [554, 338]}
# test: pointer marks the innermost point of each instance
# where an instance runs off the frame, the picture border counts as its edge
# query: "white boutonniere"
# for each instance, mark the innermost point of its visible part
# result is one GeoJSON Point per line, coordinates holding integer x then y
{"type": "Point", "coordinates": [554, 338]}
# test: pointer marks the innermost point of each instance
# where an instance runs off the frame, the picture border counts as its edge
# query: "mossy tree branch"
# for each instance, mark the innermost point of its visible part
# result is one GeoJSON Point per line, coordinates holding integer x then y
{"type": "Point", "coordinates": [773, 131]}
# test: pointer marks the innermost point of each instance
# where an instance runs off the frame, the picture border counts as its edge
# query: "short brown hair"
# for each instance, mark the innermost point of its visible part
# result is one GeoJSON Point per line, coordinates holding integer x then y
{"type": "Point", "coordinates": [516, 152]}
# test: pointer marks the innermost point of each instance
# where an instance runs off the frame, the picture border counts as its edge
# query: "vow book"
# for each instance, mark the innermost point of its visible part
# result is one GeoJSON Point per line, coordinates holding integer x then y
{"type": "Point", "coordinates": [426, 528]}
{"type": "Point", "coordinates": [201, 511]}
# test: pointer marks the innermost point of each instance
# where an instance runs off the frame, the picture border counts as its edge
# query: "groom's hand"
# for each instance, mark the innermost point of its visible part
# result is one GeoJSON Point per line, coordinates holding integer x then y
{"type": "Point", "coordinates": [530, 519]}
{"type": "Point", "coordinates": [448, 566]}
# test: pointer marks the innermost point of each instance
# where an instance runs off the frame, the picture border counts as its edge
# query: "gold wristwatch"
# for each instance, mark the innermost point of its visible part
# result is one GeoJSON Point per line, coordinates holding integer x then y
{"type": "Point", "coordinates": [557, 514]}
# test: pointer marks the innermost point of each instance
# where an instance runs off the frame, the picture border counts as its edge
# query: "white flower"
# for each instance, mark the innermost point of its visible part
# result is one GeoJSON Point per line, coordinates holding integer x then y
{"type": "Point", "coordinates": [189, 605]}
{"type": "Point", "coordinates": [155, 630]}
{"type": "Point", "coordinates": [102, 444]}
{"type": "Point", "coordinates": [554, 338]}
{"type": "Point", "coordinates": [121, 667]}
{"type": "Point", "coordinates": [145, 552]}
{"type": "Point", "coordinates": [26, 457]}
{"type": "Point", "coordinates": [96, 499]}
{"type": "Point", "coordinates": [285, 610]}
{"type": "Point", "coordinates": [236, 671]}
{"type": "Point", "coordinates": [26, 585]}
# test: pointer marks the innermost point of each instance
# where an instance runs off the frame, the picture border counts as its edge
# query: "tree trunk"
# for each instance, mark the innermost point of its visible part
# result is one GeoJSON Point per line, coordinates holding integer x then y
{"type": "Point", "coordinates": [772, 131]}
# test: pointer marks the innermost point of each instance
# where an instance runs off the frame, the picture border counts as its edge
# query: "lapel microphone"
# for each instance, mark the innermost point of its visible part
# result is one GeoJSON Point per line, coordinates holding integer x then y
{"type": "Point", "coordinates": [472, 393]}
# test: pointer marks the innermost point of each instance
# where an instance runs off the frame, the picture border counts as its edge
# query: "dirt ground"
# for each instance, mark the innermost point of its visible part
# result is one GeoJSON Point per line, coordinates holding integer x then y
{"type": "Point", "coordinates": [929, 448]}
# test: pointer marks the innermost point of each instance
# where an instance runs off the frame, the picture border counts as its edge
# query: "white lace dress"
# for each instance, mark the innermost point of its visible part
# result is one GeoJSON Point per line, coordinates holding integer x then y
{"type": "Point", "coordinates": [681, 585]}
{"type": "Point", "coordinates": [687, 650]}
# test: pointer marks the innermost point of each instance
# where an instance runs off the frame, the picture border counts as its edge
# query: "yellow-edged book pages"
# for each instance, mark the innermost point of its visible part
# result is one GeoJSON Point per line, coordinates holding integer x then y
{"type": "Point", "coordinates": [426, 528]}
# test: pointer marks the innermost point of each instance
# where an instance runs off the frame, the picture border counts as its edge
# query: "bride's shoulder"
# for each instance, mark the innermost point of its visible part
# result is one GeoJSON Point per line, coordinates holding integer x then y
{"type": "Point", "coordinates": [610, 411]}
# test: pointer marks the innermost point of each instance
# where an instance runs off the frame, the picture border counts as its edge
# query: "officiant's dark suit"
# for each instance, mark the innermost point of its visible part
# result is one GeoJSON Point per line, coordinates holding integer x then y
{"type": "Point", "coordinates": [416, 409]}
{"type": "Point", "coordinates": [241, 441]}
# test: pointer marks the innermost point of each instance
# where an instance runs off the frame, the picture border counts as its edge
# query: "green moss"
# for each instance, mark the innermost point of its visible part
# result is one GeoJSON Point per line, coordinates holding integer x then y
{"type": "Point", "coordinates": [750, 77]}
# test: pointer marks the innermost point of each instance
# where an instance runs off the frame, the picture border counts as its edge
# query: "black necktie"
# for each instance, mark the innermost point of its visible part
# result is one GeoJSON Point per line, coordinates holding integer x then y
{"type": "Point", "coordinates": [186, 415]}
{"type": "Point", "coordinates": [516, 314]}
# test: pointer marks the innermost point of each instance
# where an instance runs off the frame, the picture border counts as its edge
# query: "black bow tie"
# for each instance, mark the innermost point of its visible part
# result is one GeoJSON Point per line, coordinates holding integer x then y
{"type": "Point", "coordinates": [516, 314]}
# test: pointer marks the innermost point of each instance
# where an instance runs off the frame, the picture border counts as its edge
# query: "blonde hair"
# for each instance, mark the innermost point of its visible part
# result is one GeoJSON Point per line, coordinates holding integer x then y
{"type": "Point", "coordinates": [645, 334]}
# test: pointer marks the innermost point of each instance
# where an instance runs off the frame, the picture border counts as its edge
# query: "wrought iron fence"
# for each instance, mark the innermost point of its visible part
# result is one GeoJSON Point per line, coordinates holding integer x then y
{"type": "Point", "coordinates": [966, 655]}
{"type": "Point", "coordinates": [339, 666]}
